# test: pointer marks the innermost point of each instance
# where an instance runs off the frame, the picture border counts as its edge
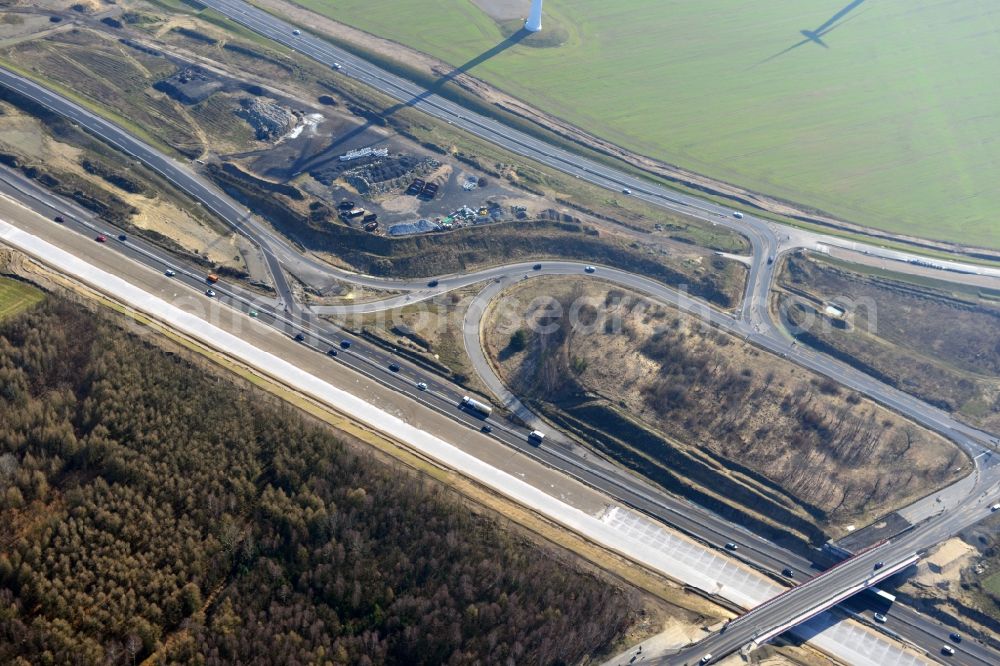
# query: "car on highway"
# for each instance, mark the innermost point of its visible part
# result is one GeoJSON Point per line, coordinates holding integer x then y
{"type": "Point", "coordinates": [337, 65]}
{"type": "Point", "coordinates": [432, 283]}
{"type": "Point", "coordinates": [210, 293]}
{"type": "Point", "coordinates": [626, 190]}
{"type": "Point", "coordinates": [296, 32]}
{"type": "Point", "coordinates": [345, 344]}
{"type": "Point", "coordinates": [331, 352]}
{"type": "Point", "coordinates": [955, 636]}
{"type": "Point", "coordinates": [995, 507]}
{"type": "Point", "coordinates": [590, 269]}
{"type": "Point", "coordinates": [487, 429]}
{"type": "Point", "coordinates": [738, 215]}
{"type": "Point", "coordinates": [707, 658]}
{"type": "Point", "coordinates": [879, 565]}
{"type": "Point", "coordinates": [394, 367]}
{"type": "Point", "coordinates": [59, 219]}
{"type": "Point", "coordinates": [732, 546]}
{"type": "Point", "coordinates": [880, 618]}
{"type": "Point", "coordinates": [536, 267]}
{"type": "Point", "coordinates": [122, 237]}
{"type": "Point", "coordinates": [170, 272]}
{"type": "Point", "coordinates": [300, 337]}
{"type": "Point", "coordinates": [253, 313]}
{"type": "Point", "coordinates": [947, 650]}
{"type": "Point", "coordinates": [422, 386]}
{"type": "Point", "coordinates": [101, 238]}
{"type": "Point", "coordinates": [787, 573]}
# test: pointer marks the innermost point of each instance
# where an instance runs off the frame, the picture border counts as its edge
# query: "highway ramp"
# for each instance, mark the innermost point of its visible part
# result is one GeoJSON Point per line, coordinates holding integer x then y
{"type": "Point", "coordinates": [618, 529]}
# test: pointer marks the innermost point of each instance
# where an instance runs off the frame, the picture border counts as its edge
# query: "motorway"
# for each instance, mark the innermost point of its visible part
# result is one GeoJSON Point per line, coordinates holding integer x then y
{"type": "Point", "coordinates": [753, 321]}
{"type": "Point", "coordinates": [773, 617]}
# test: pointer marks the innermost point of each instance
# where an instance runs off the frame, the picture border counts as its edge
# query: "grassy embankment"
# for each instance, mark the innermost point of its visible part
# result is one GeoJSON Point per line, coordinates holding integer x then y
{"type": "Point", "coordinates": [632, 214]}
{"type": "Point", "coordinates": [712, 418]}
{"type": "Point", "coordinates": [16, 297]}
{"type": "Point", "coordinates": [939, 341]}
{"type": "Point", "coordinates": [814, 125]}
{"type": "Point", "coordinates": [306, 75]}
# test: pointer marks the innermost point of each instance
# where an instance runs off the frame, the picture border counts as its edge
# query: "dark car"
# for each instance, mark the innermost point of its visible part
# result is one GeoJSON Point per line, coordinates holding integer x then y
{"type": "Point", "coordinates": [122, 237]}
{"type": "Point", "coordinates": [394, 367]}
{"type": "Point", "coordinates": [300, 337]}
{"type": "Point", "coordinates": [487, 428]}
{"type": "Point", "coordinates": [101, 239]}
{"type": "Point", "coordinates": [432, 283]}
{"type": "Point", "coordinates": [955, 636]}
{"type": "Point", "coordinates": [345, 205]}
{"type": "Point", "coordinates": [536, 267]}
{"type": "Point", "coordinates": [731, 546]}
{"type": "Point", "coordinates": [346, 344]}
{"type": "Point", "coordinates": [787, 573]}
{"type": "Point", "coordinates": [59, 219]}
{"type": "Point", "coordinates": [332, 352]}
{"type": "Point", "coordinates": [879, 565]}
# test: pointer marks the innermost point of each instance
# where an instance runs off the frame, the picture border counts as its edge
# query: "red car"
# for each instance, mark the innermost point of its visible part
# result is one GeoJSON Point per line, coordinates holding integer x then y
{"type": "Point", "coordinates": [101, 239]}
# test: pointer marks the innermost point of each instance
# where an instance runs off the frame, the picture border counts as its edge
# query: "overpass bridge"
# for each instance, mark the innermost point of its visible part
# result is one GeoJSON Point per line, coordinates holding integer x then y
{"type": "Point", "coordinates": [798, 604]}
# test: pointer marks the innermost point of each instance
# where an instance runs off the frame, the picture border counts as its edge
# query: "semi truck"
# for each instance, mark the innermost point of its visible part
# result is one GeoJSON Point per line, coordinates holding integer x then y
{"type": "Point", "coordinates": [476, 406]}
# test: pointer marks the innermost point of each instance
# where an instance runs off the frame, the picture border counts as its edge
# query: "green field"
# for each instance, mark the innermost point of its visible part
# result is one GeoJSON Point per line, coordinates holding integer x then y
{"type": "Point", "coordinates": [891, 125]}
{"type": "Point", "coordinates": [17, 297]}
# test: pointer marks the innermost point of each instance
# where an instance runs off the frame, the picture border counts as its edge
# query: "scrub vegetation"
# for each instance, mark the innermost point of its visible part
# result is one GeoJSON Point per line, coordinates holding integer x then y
{"type": "Point", "coordinates": [710, 417]}
{"type": "Point", "coordinates": [935, 340]}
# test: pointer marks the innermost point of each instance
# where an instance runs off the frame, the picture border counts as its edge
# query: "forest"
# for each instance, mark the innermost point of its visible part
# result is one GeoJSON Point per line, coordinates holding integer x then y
{"type": "Point", "coordinates": [150, 507]}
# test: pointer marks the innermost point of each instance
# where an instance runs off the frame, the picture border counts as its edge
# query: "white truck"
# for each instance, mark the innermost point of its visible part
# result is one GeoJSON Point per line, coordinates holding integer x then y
{"type": "Point", "coordinates": [477, 406]}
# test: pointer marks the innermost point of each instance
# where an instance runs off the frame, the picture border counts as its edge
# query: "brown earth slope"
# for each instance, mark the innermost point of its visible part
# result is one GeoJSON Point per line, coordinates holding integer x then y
{"type": "Point", "coordinates": [734, 424]}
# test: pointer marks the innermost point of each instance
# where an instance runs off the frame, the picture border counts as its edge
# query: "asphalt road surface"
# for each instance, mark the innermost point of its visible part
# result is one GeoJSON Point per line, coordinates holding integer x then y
{"type": "Point", "coordinates": [753, 320]}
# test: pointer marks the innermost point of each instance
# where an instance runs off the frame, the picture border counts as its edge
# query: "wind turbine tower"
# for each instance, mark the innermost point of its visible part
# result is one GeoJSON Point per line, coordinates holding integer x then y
{"type": "Point", "coordinates": [534, 22]}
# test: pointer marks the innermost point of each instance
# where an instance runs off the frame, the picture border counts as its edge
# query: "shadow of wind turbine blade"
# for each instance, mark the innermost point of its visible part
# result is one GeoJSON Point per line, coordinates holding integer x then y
{"type": "Point", "coordinates": [781, 53]}
{"type": "Point", "coordinates": [826, 27]}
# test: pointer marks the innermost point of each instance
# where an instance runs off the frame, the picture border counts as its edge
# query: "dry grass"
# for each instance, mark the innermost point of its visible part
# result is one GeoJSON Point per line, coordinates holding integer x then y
{"type": "Point", "coordinates": [431, 329]}
{"type": "Point", "coordinates": [795, 440]}
{"type": "Point", "coordinates": [939, 343]}
{"type": "Point", "coordinates": [110, 75]}
{"type": "Point", "coordinates": [29, 139]}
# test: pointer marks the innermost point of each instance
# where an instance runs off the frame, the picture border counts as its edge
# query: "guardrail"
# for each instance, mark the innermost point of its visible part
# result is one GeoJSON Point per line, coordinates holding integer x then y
{"type": "Point", "coordinates": [873, 579]}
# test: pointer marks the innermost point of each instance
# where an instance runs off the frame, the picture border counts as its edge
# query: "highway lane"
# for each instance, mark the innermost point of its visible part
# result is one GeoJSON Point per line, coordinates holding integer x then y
{"type": "Point", "coordinates": [760, 232]}
{"type": "Point", "coordinates": [754, 322]}
{"type": "Point", "coordinates": [441, 395]}
{"type": "Point", "coordinates": [792, 603]}
{"type": "Point", "coordinates": [691, 519]}
{"type": "Point", "coordinates": [754, 319]}
{"type": "Point", "coordinates": [778, 610]}
{"type": "Point", "coordinates": [754, 307]}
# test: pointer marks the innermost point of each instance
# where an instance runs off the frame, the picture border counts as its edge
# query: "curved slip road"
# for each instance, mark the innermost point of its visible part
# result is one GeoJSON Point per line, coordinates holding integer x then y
{"type": "Point", "coordinates": [754, 320]}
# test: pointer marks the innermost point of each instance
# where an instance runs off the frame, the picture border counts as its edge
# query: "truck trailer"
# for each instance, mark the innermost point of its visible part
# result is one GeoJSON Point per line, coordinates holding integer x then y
{"type": "Point", "coordinates": [477, 406]}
